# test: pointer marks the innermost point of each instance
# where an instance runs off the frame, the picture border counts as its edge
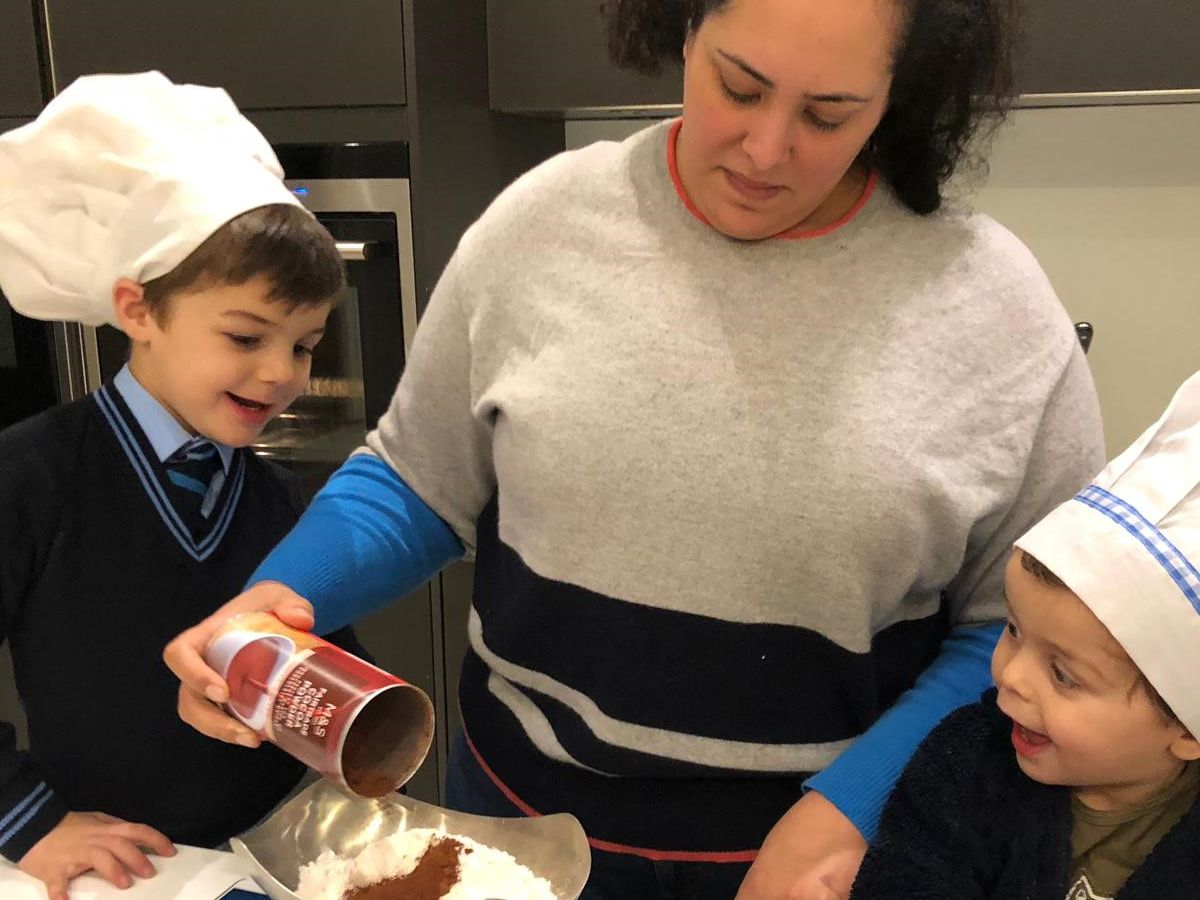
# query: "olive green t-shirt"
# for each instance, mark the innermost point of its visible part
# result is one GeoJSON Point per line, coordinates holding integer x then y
{"type": "Point", "coordinates": [1107, 846]}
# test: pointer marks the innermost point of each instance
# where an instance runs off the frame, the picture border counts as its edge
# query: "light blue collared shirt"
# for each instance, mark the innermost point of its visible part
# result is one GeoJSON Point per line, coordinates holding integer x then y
{"type": "Point", "coordinates": [165, 434]}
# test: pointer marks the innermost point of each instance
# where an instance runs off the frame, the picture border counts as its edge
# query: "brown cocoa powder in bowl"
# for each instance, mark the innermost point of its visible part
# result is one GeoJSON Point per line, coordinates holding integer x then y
{"type": "Point", "coordinates": [436, 872]}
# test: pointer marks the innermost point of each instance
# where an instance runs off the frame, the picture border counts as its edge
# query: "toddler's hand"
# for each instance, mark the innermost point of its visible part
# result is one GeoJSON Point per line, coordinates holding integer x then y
{"type": "Point", "coordinates": [85, 841]}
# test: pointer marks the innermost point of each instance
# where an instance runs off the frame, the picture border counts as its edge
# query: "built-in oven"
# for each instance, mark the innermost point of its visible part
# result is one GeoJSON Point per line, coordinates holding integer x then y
{"type": "Point", "coordinates": [361, 194]}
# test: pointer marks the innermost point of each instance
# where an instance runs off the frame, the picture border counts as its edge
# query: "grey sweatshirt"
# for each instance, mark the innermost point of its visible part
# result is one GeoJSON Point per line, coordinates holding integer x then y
{"type": "Point", "coordinates": [726, 498]}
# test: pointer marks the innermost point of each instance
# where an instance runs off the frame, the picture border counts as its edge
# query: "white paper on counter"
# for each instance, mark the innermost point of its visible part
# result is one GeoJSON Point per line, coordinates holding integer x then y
{"type": "Point", "coordinates": [192, 873]}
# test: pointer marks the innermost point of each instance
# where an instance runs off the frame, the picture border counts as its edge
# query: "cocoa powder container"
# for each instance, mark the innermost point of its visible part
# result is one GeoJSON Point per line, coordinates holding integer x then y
{"type": "Point", "coordinates": [351, 721]}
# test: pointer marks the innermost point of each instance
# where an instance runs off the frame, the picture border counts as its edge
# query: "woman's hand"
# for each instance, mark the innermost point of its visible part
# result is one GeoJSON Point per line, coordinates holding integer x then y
{"type": "Point", "coordinates": [812, 853]}
{"type": "Point", "coordinates": [81, 842]}
{"type": "Point", "coordinates": [202, 689]}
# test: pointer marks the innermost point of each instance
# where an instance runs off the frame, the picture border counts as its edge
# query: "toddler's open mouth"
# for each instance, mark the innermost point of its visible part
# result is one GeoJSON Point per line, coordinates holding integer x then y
{"type": "Point", "coordinates": [1028, 742]}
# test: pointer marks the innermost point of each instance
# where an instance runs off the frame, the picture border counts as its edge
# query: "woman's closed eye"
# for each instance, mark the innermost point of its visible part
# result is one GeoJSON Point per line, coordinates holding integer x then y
{"type": "Point", "coordinates": [741, 99]}
{"type": "Point", "coordinates": [821, 124]}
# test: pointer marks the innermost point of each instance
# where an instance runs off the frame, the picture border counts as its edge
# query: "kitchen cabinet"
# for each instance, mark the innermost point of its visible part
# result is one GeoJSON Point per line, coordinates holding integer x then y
{"type": "Point", "coordinates": [548, 57]}
{"type": "Point", "coordinates": [1078, 47]}
{"type": "Point", "coordinates": [269, 54]}
{"type": "Point", "coordinates": [20, 82]}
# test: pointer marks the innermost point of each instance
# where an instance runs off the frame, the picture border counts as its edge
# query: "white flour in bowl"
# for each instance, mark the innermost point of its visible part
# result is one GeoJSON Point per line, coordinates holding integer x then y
{"type": "Point", "coordinates": [484, 872]}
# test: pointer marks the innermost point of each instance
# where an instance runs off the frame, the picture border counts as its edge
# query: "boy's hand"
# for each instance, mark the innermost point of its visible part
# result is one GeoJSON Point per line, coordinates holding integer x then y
{"type": "Point", "coordinates": [202, 689]}
{"type": "Point", "coordinates": [812, 853]}
{"type": "Point", "coordinates": [85, 841]}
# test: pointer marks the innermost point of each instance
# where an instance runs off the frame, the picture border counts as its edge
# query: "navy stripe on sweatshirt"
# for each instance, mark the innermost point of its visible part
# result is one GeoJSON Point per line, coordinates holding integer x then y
{"type": "Point", "coordinates": [758, 684]}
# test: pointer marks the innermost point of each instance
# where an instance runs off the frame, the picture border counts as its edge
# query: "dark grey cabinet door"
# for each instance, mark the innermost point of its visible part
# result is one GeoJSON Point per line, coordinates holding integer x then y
{"type": "Point", "coordinates": [20, 84]}
{"type": "Point", "coordinates": [550, 56]}
{"type": "Point", "coordinates": [1079, 46]}
{"type": "Point", "coordinates": [269, 54]}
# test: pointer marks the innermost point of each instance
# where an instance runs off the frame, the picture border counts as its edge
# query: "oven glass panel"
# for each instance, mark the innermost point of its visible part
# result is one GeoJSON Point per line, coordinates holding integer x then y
{"type": "Point", "coordinates": [329, 420]}
{"type": "Point", "coordinates": [357, 363]}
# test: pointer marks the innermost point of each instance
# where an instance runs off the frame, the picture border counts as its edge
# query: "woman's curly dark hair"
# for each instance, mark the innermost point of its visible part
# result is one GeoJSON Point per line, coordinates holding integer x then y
{"type": "Point", "coordinates": [952, 79]}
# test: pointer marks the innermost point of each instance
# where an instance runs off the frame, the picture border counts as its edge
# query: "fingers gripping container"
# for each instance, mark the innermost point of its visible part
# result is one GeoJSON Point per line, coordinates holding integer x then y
{"type": "Point", "coordinates": [354, 723]}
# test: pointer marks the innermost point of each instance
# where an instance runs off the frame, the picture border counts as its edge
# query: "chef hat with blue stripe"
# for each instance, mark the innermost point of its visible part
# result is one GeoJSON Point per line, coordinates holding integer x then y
{"type": "Point", "coordinates": [122, 176]}
{"type": "Point", "coordinates": [1129, 546]}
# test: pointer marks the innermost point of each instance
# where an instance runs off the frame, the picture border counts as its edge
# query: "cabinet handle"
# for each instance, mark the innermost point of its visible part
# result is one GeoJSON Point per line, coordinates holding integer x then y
{"type": "Point", "coordinates": [1084, 331]}
{"type": "Point", "coordinates": [363, 251]}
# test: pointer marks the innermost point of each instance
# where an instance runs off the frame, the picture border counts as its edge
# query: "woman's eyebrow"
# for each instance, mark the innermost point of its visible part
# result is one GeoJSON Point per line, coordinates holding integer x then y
{"type": "Point", "coordinates": [832, 97]}
{"type": "Point", "coordinates": [747, 68]}
{"type": "Point", "coordinates": [838, 98]}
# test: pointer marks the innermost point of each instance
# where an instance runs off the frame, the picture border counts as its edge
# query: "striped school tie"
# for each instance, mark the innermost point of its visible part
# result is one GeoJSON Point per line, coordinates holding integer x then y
{"type": "Point", "coordinates": [196, 468]}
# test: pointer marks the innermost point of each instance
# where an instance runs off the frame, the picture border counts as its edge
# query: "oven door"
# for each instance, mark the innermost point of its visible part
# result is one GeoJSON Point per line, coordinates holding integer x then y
{"type": "Point", "coordinates": [358, 362]}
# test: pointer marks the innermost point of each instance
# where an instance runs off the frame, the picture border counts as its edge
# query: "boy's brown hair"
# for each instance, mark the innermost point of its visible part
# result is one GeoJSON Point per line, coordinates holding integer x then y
{"type": "Point", "coordinates": [281, 243]}
{"type": "Point", "coordinates": [1042, 573]}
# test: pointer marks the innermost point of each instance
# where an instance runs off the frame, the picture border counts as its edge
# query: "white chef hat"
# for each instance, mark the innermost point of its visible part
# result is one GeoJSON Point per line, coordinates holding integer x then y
{"type": "Point", "coordinates": [1129, 546]}
{"type": "Point", "coordinates": [122, 176]}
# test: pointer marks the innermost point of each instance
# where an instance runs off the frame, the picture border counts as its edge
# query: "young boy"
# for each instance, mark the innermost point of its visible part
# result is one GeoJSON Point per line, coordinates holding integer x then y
{"type": "Point", "coordinates": [1077, 777]}
{"type": "Point", "coordinates": [128, 515]}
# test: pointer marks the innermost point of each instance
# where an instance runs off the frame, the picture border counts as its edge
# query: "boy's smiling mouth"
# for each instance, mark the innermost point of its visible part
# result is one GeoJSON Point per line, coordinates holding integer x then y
{"type": "Point", "coordinates": [251, 412]}
{"type": "Point", "coordinates": [247, 403]}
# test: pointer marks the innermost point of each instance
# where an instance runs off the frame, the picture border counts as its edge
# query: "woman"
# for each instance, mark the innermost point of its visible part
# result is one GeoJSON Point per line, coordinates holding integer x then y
{"type": "Point", "coordinates": [739, 426]}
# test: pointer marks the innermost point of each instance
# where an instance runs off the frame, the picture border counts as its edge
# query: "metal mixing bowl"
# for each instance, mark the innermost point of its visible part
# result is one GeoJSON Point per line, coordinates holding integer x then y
{"type": "Point", "coordinates": [322, 817]}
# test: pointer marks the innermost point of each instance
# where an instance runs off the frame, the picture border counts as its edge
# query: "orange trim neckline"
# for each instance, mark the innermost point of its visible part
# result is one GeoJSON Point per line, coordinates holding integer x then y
{"type": "Point", "coordinates": [791, 234]}
{"type": "Point", "coordinates": [735, 856]}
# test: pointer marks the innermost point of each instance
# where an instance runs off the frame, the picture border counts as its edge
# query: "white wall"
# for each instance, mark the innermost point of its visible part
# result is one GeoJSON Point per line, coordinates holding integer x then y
{"type": "Point", "coordinates": [1109, 200]}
